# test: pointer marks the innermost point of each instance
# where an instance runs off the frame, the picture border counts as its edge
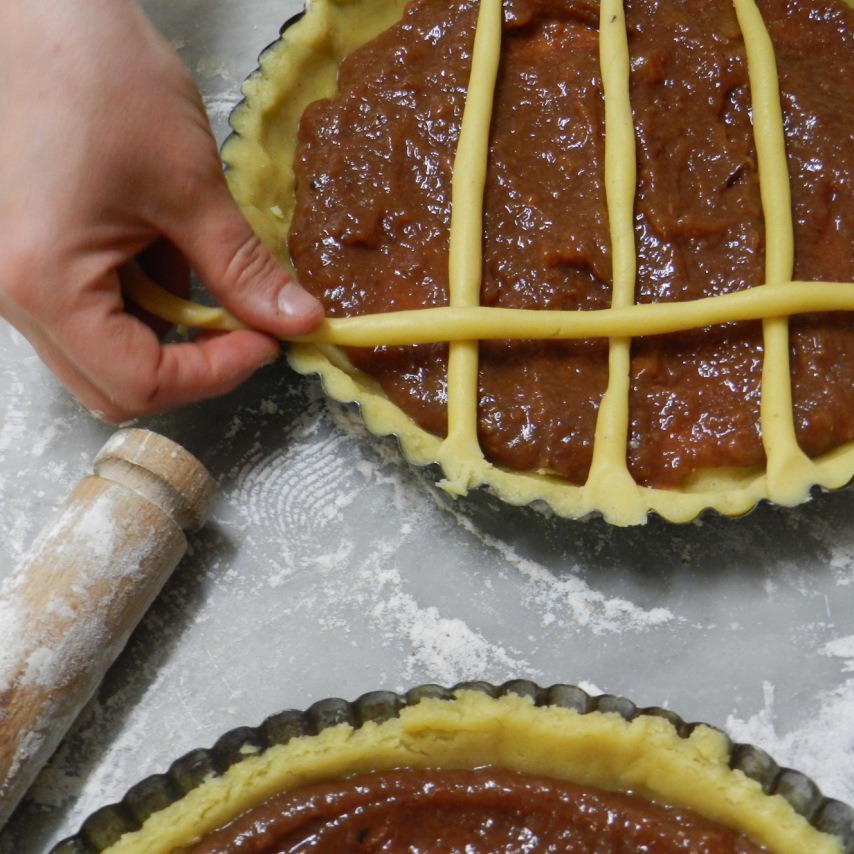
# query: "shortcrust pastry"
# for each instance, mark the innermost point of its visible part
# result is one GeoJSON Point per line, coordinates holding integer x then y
{"type": "Point", "coordinates": [604, 744]}
{"type": "Point", "coordinates": [478, 344]}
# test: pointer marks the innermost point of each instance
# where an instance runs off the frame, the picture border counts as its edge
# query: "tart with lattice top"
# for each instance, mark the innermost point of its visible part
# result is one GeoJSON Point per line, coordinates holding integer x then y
{"type": "Point", "coordinates": [598, 254]}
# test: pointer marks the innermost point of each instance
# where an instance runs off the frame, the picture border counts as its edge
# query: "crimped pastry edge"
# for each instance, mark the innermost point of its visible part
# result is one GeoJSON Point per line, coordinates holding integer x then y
{"type": "Point", "coordinates": [562, 731]}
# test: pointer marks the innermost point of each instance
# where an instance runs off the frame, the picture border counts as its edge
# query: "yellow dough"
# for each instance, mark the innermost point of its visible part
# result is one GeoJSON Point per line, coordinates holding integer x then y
{"type": "Point", "coordinates": [302, 67]}
{"type": "Point", "coordinates": [599, 749]}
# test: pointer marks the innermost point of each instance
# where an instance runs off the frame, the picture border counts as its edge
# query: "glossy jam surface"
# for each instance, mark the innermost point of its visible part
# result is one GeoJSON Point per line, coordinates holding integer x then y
{"type": "Point", "coordinates": [484, 811]}
{"type": "Point", "coordinates": [371, 226]}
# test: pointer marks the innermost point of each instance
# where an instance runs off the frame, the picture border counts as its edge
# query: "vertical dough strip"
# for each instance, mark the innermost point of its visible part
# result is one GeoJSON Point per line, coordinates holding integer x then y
{"type": "Point", "coordinates": [610, 480]}
{"type": "Point", "coordinates": [460, 450]}
{"type": "Point", "coordinates": [790, 473]}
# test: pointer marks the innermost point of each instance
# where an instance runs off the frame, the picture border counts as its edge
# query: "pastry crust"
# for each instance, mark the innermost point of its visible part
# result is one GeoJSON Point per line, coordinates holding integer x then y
{"type": "Point", "coordinates": [302, 66]}
{"type": "Point", "coordinates": [600, 749]}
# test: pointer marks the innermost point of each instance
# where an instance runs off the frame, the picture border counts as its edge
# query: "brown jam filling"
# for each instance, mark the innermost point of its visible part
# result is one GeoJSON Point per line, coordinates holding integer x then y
{"type": "Point", "coordinates": [477, 811]}
{"type": "Point", "coordinates": [370, 232]}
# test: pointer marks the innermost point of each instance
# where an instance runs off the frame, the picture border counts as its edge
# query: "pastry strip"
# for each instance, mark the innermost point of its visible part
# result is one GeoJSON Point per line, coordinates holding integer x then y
{"type": "Point", "coordinates": [434, 325]}
{"type": "Point", "coordinates": [790, 471]}
{"type": "Point", "coordinates": [460, 451]}
{"type": "Point", "coordinates": [609, 472]}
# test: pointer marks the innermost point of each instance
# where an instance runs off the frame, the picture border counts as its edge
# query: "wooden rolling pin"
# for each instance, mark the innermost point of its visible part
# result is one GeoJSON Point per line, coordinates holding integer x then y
{"type": "Point", "coordinates": [69, 607]}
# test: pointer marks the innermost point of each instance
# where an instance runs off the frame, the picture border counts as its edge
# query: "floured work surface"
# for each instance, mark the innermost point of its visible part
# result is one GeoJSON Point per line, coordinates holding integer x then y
{"type": "Point", "coordinates": [330, 568]}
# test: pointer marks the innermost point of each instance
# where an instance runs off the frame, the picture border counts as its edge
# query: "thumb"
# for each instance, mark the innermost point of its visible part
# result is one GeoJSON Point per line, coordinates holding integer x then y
{"type": "Point", "coordinates": [241, 273]}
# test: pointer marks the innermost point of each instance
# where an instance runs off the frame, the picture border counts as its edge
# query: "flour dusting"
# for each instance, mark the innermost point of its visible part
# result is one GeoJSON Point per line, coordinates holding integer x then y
{"type": "Point", "coordinates": [342, 508]}
{"type": "Point", "coordinates": [446, 648]}
{"type": "Point", "coordinates": [823, 746]}
{"type": "Point", "coordinates": [333, 567]}
{"type": "Point", "coordinates": [582, 605]}
{"type": "Point", "coordinates": [219, 107]}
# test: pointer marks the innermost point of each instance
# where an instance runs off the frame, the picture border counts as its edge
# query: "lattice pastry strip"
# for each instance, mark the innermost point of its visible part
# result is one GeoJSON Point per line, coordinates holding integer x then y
{"type": "Point", "coordinates": [465, 253]}
{"type": "Point", "coordinates": [790, 473]}
{"type": "Point", "coordinates": [610, 489]}
{"type": "Point", "coordinates": [609, 472]}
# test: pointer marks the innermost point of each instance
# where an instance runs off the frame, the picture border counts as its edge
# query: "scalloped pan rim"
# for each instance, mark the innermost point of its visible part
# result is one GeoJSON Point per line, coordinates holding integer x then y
{"type": "Point", "coordinates": [468, 701]}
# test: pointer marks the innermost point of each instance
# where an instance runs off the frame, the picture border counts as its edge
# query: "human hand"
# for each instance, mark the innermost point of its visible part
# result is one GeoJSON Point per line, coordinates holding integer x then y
{"type": "Point", "coordinates": [107, 160]}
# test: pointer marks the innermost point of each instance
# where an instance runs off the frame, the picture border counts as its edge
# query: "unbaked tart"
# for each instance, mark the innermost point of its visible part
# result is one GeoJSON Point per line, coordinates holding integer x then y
{"type": "Point", "coordinates": [476, 768]}
{"type": "Point", "coordinates": [598, 254]}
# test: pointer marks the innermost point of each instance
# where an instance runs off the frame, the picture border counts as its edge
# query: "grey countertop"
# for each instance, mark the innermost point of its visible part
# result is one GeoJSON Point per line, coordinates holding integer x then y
{"type": "Point", "coordinates": [331, 568]}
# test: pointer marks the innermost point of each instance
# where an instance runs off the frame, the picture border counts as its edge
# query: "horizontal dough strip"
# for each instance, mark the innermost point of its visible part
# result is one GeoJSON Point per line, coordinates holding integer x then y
{"type": "Point", "coordinates": [442, 323]}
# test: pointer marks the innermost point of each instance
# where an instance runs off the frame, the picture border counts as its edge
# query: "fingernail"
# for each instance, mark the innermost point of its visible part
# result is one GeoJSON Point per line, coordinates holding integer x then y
{"type": "Point", "coordinates": [295, 301]}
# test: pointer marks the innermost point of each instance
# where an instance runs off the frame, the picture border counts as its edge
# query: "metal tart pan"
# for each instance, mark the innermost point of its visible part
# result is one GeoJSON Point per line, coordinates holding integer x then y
{"type": "Point", "coordinates": [104, 827]}
{"type": "Point", "coordinates": [541, 490]}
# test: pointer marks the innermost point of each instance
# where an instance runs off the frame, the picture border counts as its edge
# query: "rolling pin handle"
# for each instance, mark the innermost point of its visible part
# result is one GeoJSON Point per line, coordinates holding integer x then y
{"type": "Point", "coordinates": [161, 472]}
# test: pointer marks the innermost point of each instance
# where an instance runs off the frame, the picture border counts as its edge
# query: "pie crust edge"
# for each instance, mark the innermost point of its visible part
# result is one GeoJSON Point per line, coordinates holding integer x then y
{"type": "Point", "coordinates": [301, 67]}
